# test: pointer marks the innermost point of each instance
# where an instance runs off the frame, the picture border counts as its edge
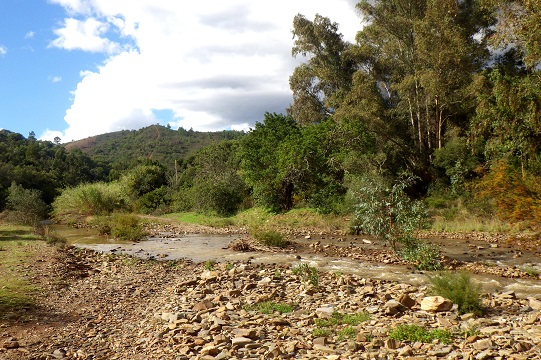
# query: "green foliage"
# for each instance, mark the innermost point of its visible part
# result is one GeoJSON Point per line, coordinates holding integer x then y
{"type": "Point", "coordinates": [126, 227]}
{"type": "Point", "coordinates": [209, 265]}
{"type": "Point", "coordinates": [144, 179]}
{"type": "Point", "coordinates": [423, 255]}
{"type": "Point", "coordinates": [308, 273]}
{"type": "Point", "coordinates": [347, 333]}
{"type": "Point", "coordinates": [326, 326]}
{"type": "Point", "coordinates": [91, 199]}
{"type": "Point", "coordinates": [321, 332]}
{"type": "Point", "coordinates": [269, 237]}
{"type": "Point", "coordinates": [460, 289]}
{"type": "Point", "coordinates": [388, 212]}
{"type": "Point", "coordinates": [25, 205]}
{"type": "Point", "coordinates": [417, 333]}
{"type": "Point", "coordinates": [270, 307]}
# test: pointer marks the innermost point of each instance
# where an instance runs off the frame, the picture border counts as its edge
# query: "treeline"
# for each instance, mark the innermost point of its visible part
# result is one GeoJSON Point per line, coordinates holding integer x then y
{"type": "Point", "coordinates": [43, 166]}
{"type": "Point", "coordinates": [444, 93]}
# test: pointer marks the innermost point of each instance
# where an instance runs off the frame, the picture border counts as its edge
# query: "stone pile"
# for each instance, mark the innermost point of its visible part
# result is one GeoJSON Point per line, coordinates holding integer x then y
{"type": "Point", "coordinates": [124, 308]}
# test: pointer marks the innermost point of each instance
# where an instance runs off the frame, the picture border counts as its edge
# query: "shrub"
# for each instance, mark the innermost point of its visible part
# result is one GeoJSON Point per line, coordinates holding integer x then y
{"type": "Point", "coordinates": [308, 273]}
{"type": "Point", "coordinates": [25, 205]}
{"type": "Point", "coordinates": [91, 199]}
{"type": "Point", "coordinates": [460, 289]}
{"type": "Point", "coordinates": [126, 227]}
{"type": "Point", "coordinates": [269, 238]}
{"type": "Point", "coordinates": [417, 333]}
{"type": "Point", "coordinates": [423, 255]}
{"type": "Point", "coordinates": [388, 212]}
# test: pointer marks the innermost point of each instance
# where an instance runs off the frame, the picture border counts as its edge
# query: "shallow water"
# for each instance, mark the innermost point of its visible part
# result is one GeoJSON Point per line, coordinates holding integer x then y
{"type": "Point", "coordinates": [201, 248]}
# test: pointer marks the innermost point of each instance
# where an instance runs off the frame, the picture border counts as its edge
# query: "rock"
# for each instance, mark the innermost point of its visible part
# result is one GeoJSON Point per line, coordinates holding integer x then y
{"type": "Point", "coordinates": [483, 344]}
{"type": "Point", "coordinates": [393, 307]}
{"type": "Point", "coordinates": [407, 301]}
{"type": "Point", "coordinates": [11, 344]}
{"type": "Point", "coordinates": [324, 348]}
{"type": "Point", "coordinates": [320, 340]}
{"type": "Point", "coordinates": [241, 341]}
{"type": "Point", "coordinates": [392, 344]}
{"type": "Point", "coordinates": [59, 354]}
{"type": "Point", "coordinates": [247, 333]}
{"type": "Point", "coordinates": [325, 312]}
{"type": "Point", "coordinates": [534, 303]}
{"type": "Point", "coordinates": [203, 305]}
{"type": "Point", "coordinates": [436, 304]}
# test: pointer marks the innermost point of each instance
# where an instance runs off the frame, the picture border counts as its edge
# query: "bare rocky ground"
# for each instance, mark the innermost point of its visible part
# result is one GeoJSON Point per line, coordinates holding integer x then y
{"type": "Point", "coordinates": [99, 306]}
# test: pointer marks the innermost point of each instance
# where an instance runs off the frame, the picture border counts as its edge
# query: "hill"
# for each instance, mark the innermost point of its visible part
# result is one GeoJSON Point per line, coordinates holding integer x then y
{"type": "Point", "coordinates": [122, 149]}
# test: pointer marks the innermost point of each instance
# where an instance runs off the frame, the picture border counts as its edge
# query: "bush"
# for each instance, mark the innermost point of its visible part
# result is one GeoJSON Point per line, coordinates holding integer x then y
{"type": "Point", "coordinates": [126, 227]}
{"type": "Point", "coordinates": [388, 212]}
{"type": "Point", "coordinates": [91, 199]}
{"type": "Point", "coordinates": [423, 255]}
{"type": "Point", "coordinates": [460, 289]}
{"type": "Point", "coordinates": [308, 273]}
{"type": "Point", "coordinates": [25, 205]}
{"type": "Point", "coordinates": [269, 238]}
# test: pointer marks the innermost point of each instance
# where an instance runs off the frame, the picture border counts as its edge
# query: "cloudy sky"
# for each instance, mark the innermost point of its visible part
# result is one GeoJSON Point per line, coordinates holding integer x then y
{"type": "Point", "coordinates": [77, 68]}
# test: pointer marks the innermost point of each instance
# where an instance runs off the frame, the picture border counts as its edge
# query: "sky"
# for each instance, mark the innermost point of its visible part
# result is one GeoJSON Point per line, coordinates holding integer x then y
{"type": "Point", "coordinates": [77, 68]}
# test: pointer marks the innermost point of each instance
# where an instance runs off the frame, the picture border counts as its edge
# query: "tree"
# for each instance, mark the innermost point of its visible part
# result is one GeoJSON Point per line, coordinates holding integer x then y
{"type": "Point", "coordinates": [25, 205]}
{"type": "Point", "coordinates": [264, 153]}
{"type": "Point", "coordinates": [319, 84]}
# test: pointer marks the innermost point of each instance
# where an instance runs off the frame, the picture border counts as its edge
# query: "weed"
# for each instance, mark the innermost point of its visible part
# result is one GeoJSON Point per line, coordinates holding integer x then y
{"type": "Point", "coordinates": [423, 255]}
{"type": "Point", "coordinates": [347, 333]}
{"type": "Point", "coordinates": [269, 307]}
{"type": "Point", "coordinates": [531, 271]}
{"type": "Point", "coordinates": [470, 331]}
{"type": "Point", "coordinates": [417, 333]}
{"type": "Point", "coordinates": [460, 289]}
{"type": "Point", "coordinates": [209, 265]}
{"type": "Point", "coordinates": [308, 273]}
{"type": "Point", "coordinates": [229, 266]}
{"type": "Point", "coordinates": [126, 227]}
{"type": "Point", "coordinates": [269, 238]}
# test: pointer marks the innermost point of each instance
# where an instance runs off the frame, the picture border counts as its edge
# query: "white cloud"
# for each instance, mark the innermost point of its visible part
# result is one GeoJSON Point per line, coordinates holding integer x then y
{"type": "Point", "coordinates": [84, 35]}
{"type": "Point", "coordinates": [56, 79]}
{"type": "Point", "coordinates": [3, 50]}
{"type": "Point", "coordinates": [29, 35]}
{"type": "Point", "coordinates": [214, 65]}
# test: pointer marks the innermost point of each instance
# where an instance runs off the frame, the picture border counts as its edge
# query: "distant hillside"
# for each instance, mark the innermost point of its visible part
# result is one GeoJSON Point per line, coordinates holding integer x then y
{"type": "Point", "coordinates": [123, 148]}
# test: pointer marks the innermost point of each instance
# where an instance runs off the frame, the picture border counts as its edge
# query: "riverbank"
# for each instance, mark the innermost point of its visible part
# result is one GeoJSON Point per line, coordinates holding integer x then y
{"type": "Point", "coordinates": [105, 306]}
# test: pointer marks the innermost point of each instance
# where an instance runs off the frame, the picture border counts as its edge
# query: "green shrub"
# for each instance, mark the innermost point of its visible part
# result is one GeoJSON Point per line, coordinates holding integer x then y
{"type": "Point", "coordinates": [308, 273]}
{"type": "Point", "coordinates": [91, 199]}
{"type": "Point", "coordinates": [460, 289]}
{"type": "Point", "coordinates": [417, 333]}
{"type": "Point", "coordinates": [423, 255]}
{"type": "Point", "coordinates": [269, 238]}
{"type": "Point", "coordinates": [25, 205]}
{"type": "Point", "coordinates": [347, 333]}
{"type": "Point", "coordinates": [126, 227]}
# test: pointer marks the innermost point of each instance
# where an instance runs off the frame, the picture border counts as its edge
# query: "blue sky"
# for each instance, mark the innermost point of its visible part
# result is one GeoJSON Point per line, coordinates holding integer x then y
{"type": "Point", "coordinates": [77, 68]}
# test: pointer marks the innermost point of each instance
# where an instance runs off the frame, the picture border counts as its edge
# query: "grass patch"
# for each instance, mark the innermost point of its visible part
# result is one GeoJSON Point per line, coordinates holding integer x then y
{"type": "Point", "coordinates": [423, 255]}
{"type": "Point", "coordinates": [209, 265]}
{"type": "Point", "coordinates": [336, 322]}
{"type": "Point", "coordinates": [269, 307]}
{"type": "Point", "coordinates": [16, 292]}
{"type": "Point", "coordinates": [417, 333]}
{"type": "Point", "coordinates": [460, 289]}
{"type": "Point", "coordinates": [201, 219]}
{"type": "Point", "coordinates": [126, 227]}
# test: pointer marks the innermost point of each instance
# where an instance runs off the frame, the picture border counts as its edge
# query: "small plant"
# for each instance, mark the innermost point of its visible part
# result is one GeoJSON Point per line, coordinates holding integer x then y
{"type": "Point", "coordinates": [126, 227]}
{"type": "Point", "coordinates": [460, 289]}
{"type": "Point", "coordinates": [417, 333]}
{"type": "Point", "coordinates": [470, 331]}
{"type": "Point", "coordinates": [209, 265]}
{"type": "Point", "coordinates": [270, 238]}
{"type": "Point", "coordinates": [229, 266]}
{"type": "Point", "coordinates": [531, 271]}
{"type": "Point", "coordinates": [347, 333]}
{"type": "Point", "coordinates": [423, 255]}
{"type": "Point", "coordinates": [269, 307]}
{"type": "Point", "coordinates": [308, 273]}
{"type": "Point", "coordinates": [321, 332]}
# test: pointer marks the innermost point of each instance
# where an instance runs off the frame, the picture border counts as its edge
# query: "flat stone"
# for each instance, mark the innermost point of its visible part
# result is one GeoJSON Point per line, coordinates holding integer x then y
{"type": "Point", "coordinates": [324, 348]}
{"type": "Point", "coordinates": [241, 341]}
{"type": "Point", "coordinates": [436, 304]}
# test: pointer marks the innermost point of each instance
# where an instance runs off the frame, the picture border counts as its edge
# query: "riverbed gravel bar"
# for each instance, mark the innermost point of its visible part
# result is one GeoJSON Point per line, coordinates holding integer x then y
{"type": "Point", "coordinates": [105, 306]}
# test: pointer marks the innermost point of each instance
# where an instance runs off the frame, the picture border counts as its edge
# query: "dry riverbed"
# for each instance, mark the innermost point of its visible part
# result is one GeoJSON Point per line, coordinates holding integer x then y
{"type": "Point", "coordinates": [103, 306]}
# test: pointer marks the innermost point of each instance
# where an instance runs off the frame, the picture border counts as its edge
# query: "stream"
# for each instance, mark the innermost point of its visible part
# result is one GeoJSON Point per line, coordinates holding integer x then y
{"type": "Point", "coordinates": [201, 248]}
